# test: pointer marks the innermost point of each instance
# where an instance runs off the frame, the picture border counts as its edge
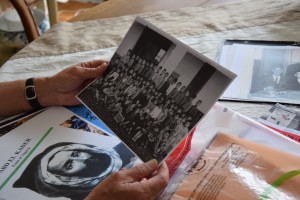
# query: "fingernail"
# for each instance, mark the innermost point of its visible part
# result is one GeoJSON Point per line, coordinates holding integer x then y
{"type": "Point", "coordinates": [103, 64]}
{"type": "Point", "coordinates": [152, 162]}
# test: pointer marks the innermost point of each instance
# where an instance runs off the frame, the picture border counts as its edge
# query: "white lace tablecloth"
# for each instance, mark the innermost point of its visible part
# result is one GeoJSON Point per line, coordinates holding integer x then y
{"type": "Point", "coordinates": [202, 28]}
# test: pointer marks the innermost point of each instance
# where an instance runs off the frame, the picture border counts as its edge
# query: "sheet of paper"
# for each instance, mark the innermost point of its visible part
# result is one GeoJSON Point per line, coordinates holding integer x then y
{"type": "Point", "coordinates": [57, 155]}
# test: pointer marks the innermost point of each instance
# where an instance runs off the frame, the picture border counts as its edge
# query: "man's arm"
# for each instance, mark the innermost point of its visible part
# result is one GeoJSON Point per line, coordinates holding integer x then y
{"type": "Point", "coordinates": [59, 89]}
{"type": "Point", "coordinates": [13, 99]}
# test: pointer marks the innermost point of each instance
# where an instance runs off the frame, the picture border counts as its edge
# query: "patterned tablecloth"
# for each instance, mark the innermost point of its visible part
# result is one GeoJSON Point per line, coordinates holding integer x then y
{"type": "Point", "coordinates": [202, 28]}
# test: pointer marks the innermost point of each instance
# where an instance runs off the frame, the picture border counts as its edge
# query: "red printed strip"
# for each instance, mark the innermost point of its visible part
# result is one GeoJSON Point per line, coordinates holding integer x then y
{"type": "Point", "coordinates": [178, 155]}
{"type": "Point", "coordinates": [290, 135]}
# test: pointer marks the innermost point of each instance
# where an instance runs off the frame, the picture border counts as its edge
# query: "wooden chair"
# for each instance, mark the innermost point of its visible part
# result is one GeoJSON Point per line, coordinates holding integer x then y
{"type": "Point", "coordinates": [29, 24]}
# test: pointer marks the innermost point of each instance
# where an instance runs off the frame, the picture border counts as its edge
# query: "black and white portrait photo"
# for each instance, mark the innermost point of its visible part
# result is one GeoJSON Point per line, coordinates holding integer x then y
{"type": "Point", "coordinates": [277, 71]}
{"type": "Point", "coordinates": [267, 71]}
{"type": "Point", "coordinates": [155, 91]}
{"type": "Point", "coordinates": [72, 170]}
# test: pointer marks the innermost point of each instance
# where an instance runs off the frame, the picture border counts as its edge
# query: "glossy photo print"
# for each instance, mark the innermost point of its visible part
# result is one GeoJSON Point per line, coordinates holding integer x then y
{"type": "Point", "coordinates": [155, 91]}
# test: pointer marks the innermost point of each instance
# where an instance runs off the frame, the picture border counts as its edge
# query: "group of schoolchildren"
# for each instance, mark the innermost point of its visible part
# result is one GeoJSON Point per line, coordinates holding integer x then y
{"type": "Point", "coordinates": [148, 103]}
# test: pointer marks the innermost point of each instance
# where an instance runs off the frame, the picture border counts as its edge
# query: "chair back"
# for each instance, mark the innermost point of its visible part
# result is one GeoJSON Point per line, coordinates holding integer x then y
{"type": "Point", "coordinates": [29, 24]}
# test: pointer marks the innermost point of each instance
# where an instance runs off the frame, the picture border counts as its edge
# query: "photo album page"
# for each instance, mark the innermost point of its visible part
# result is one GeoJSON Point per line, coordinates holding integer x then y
{"type": "Point", "coordinates": [268, 71]}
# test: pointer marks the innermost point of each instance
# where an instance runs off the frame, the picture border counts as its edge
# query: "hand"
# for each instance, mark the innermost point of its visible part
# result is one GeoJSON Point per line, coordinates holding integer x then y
{"type": "Point", "coordinates": [62, 88]}
{"type": "Point", "coordinates": [141, 182]}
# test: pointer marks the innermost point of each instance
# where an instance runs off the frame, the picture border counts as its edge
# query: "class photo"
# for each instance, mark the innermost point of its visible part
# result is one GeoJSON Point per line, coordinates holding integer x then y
{"type": "Point", "coordinates": [155, 91]}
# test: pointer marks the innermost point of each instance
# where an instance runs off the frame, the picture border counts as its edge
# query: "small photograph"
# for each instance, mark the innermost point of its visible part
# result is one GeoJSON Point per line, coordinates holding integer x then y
{"type": "Point", "coordinates": [16, 123]}
{"type": "Point", "coordinates": [90, 117]}
{"type": "Point", "coordinates": [155, 91]}
{"type": "Point", "coordinates": [72, 170]}
{"type": "Point", "coordinates": [281, 117]}
{"type": "Point", "coordinates": [267, 70]}
{"type": "Point", "coordinates": [76, 123]}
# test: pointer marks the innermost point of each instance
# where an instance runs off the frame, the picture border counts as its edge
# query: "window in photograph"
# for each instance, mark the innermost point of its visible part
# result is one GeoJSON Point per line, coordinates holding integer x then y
{"type": "Point", "coordinates": [160, 55]}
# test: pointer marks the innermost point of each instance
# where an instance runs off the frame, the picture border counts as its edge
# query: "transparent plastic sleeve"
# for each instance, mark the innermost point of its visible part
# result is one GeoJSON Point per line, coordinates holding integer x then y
{"type": "Point", "coordinates": [232, 124]}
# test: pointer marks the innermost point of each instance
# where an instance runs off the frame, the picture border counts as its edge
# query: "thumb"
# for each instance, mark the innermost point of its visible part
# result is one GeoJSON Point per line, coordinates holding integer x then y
{"type": "Point", "coordinates": [89, 73]}
{"type": "Point", "coordinates": [141, 171]}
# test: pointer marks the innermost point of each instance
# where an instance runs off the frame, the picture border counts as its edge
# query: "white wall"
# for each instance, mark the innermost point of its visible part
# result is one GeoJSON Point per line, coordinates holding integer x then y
{"type": "Point", "coordinates": [188, 68]}
{"type": "Point", "coordinates": [208, 93]}
{"type": "Point", "coordinates": [131, 38]}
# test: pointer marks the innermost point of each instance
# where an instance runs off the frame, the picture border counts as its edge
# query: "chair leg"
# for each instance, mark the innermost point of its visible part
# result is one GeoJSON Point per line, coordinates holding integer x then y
{"type": "Point", "coordinates": [52, 8]}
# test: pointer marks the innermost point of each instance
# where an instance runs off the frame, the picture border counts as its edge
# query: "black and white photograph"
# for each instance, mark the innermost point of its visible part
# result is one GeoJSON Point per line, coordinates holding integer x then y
{"type": "Point", "coordinates": [72, 170]}
{"type": "Point", "coordinates": [267, 71]}
{"type": "Point", "coordinates": [155, 91]}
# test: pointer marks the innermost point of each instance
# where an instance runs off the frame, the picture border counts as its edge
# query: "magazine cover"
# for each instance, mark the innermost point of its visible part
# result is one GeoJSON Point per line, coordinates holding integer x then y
{"type": "Point", "coordinates": [57, 155]}
{"type": "Point", "coordinates": [155, 91]}
{"type": "Point", "coordinates": [268, 71]}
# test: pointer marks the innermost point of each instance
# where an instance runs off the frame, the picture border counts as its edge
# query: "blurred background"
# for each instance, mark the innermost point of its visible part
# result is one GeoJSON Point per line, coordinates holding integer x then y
{"type": "Point", "coordinates": [46, 14]}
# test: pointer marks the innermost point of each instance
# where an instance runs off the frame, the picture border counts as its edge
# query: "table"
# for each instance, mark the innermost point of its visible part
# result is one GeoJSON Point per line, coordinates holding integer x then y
{"type": "Point", "coordinates": [116, 8]}
{"type": "Point", "coordinates": [202, 28]}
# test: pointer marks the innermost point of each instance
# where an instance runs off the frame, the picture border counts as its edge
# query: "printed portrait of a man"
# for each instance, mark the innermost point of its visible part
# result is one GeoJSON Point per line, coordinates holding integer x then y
{"type": "Point", "coordinates": [71, 169]}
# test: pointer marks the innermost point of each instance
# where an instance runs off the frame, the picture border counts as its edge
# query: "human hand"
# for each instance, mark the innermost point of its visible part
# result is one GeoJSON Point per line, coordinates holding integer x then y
{"type": "Point", "coordinates": [141, 182]}
{"type": "Point", "coordinates": [62, 88]}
